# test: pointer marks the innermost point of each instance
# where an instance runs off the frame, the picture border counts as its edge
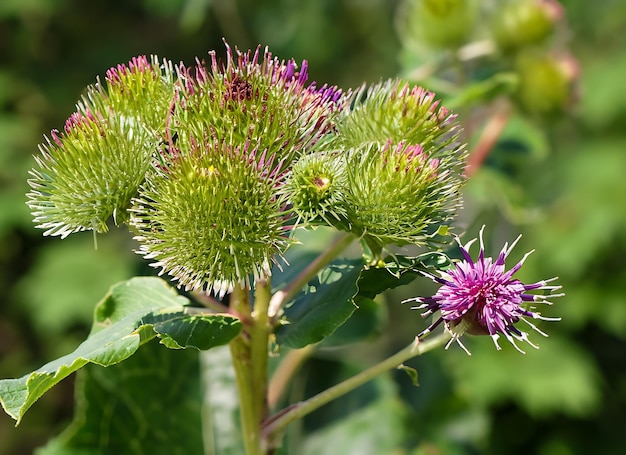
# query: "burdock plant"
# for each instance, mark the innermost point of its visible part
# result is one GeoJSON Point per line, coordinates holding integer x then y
{"type": "Point", "coordinates": [216, 169]}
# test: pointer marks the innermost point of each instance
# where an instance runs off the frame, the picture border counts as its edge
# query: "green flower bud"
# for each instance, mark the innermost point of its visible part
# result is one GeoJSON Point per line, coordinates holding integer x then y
{"type": "Point", "coordinates": [442, 24]}
{"type": "Point", "coordinates": [399, 193]}
{"type": "Point", "coordinates": [91, 171]}
{"type": "Point", "coordinates": [547, 83]}
{"type": "Point", "coordinates": [88, 174]}
{"type": "Point", "coordinates": [317, 187]}
{"type": "Point", "coordinates": [212, 218]}
{"type": "Point", "coordinates": [525, 22]}
{"type": "Point", "coordinates": [396, 111]}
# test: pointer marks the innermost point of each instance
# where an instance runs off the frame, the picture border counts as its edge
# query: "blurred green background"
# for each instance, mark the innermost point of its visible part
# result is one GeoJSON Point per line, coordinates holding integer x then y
{"type": "Point", "coordinates": [559, 181]}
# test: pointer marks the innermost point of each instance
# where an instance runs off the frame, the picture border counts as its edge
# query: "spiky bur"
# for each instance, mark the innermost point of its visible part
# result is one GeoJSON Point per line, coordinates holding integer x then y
{"type": "Point", "coordinates": [396, 194]}
{"type": "Point", "coordinates": [215, 213]}
{"type": "Point", "coordinates": [316, 188]}
{"type": "Point", "coordinates": [404, 163]}
{"type": "Point", "coordinates": [255, 98]}
{"type": "Point", "coordinates": [213, 218]}
{"type": "Point", "coordinates": [91, 170]}
{"type": "Point", "coordinates": [481, 297]}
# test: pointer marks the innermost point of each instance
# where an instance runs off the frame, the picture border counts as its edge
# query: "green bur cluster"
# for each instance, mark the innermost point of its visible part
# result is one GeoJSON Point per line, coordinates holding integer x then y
{"type": "Point", "coordinates": [214, 166]}
{"type": "Point", "coordinates": [396, 171]}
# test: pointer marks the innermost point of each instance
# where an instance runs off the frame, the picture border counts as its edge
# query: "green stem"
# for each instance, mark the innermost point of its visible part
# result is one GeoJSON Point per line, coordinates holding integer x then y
{"type": "Point", "coordinates": [259, 341]}
{"type": "Point", "coordinates": [278, 422]}
{"type": "Point", "coordinates": [240, 350]}
{"type": "Point", "coordinates": [281, 297]}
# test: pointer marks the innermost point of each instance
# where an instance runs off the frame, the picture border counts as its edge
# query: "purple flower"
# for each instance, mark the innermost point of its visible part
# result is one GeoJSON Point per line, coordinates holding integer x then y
{"type": "Point", "coordinates": [482, 298]}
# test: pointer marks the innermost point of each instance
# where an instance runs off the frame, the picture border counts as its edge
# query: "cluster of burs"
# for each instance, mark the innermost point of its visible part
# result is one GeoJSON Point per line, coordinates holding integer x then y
{"type": "Point", "coordinates": [213, 166]}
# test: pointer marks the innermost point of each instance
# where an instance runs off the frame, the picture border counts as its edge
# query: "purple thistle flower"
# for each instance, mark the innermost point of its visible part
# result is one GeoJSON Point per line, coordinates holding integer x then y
{"type": "Point", "coordinates": [482, 298]}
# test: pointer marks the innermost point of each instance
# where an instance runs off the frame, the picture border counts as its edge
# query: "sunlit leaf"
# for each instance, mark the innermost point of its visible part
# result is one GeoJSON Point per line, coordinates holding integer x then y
{"type": "Point", "coordinates": [322, 306]}
{"type": "Point", "coordinates": [133, 312]}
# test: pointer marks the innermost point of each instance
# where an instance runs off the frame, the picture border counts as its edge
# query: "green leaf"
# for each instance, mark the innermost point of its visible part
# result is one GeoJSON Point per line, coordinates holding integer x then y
{"type": "Point", "coordinates": [133, 312]}
{"type": "Point", "coordinates": [324, 305]}
{"type": "Point", "coordinates": [150, 404]}
{"type": "Point", "coordinates": [398, 271]}
{"type": "Point", "coordinates": [411, 373]}
{"type": "Point", "coordinates": [366, 322]}
{"type": "Point", "coordinates": [332, 298]}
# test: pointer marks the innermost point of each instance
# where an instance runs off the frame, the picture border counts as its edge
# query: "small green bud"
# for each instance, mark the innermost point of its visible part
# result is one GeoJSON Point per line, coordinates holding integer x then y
{"type": "Point", "coordinates": [398, 194]}
{"type": "Point", "coordinates": [442, 24]}
{"type": "Point", "coordinates": [316, 188]}
{"type": "Point", "coordinates": [547, 83]}
{"type": "Point", "coordinates": [88, 174]}
{"type": "Point", "coordinates": [525, 22]}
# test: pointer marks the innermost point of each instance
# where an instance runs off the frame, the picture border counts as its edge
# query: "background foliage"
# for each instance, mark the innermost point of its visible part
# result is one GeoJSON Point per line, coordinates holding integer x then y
{"type": "Point", "coordinates": [560, 183]}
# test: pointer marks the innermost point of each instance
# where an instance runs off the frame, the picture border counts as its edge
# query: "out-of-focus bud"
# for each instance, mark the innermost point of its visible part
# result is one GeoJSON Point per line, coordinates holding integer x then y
{"type": "Point", "coordinates": [547, 83]}
{"type": "Point", "coordinates": [526, 22]}
{"type": "Point", "coordinates": [442, 24]}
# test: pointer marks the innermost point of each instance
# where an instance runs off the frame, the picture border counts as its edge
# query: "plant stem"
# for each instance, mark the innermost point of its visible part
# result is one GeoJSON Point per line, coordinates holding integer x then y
{"type": "Point", "coordinates": [285, 372]}
{"type": "Point", "coordinates": [240, 350]}
{"type": "Point", "coordinates": [487, 140]}
{"type": "Point", "coordinates": [259, 341]}
{"type": "Point", "coordinates": [281, 297]}
{"type": "Point", "coordinates": [296, 411]}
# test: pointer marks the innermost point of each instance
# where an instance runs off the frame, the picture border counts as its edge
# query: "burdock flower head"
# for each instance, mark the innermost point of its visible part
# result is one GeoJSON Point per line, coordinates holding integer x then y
{"type": "Point", "coordinates": [482, 298]}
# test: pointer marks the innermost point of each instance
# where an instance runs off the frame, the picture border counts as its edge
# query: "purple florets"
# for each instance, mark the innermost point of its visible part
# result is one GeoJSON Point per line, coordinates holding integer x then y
{"type": "Point", "coordinates": [482, 298]}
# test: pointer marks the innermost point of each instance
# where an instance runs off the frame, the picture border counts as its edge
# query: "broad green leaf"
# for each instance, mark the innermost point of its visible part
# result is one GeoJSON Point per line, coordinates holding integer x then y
{"type": "Point", "coordinates": [368, 319]}
{"type": "Point", "coordinates": [398, 271]}
{"type": "Point", "coordinates": [324, 305]}
{"type": "Point", "coordinates": [133, 312]}
{"type": "Point", "coordinates": [332, 298]}
{"type": "Point", "coordinates": [149, 404]}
